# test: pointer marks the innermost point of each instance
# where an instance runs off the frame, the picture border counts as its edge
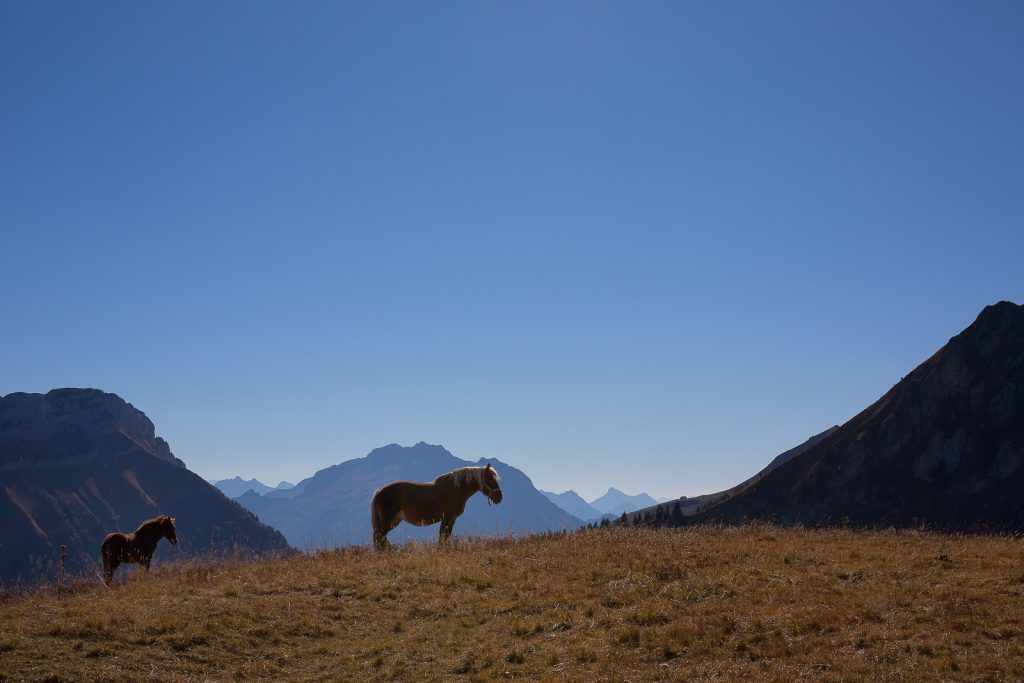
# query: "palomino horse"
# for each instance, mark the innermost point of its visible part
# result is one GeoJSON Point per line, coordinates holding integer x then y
{"type": "Point", "coordinates": [136, 547]}
{"type": "Point", "coordinates": [429, 503]}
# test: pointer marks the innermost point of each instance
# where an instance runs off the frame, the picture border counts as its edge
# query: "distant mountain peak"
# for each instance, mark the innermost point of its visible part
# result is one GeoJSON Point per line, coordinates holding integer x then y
{"type": "Point", "coordinates": [615, 502]}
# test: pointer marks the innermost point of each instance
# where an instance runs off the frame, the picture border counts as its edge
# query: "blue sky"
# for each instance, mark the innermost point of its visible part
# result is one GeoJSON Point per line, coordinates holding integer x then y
{"type": "Point", "coordinates": [648, 245]}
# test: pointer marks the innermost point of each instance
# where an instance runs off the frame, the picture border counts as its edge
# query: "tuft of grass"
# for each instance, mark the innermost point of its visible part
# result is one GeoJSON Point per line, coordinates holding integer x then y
{"type": "Point", "coordinates": [696, 603]}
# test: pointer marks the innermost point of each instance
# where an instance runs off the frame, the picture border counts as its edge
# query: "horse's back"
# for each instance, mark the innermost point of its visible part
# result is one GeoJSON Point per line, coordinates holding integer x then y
{"type": "Point", "coordinates": [115, 539]}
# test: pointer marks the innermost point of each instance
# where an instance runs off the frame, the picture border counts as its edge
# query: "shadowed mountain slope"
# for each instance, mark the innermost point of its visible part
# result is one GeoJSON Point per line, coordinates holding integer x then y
{"type": "Point", "coordinates": [944, 446]}
{"type": "Point", "coordinates": [692, 505]}
{"type": "Point", "coordinates": [76, 464]}
{"type": "Point", "coordinates": [332, 508]}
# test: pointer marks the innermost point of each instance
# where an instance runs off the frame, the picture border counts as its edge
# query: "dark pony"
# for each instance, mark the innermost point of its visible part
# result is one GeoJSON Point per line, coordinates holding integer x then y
{"type": "Point", "coordinates": [429, 503]}
{"type": "Point", "coordinates": [136, 547]}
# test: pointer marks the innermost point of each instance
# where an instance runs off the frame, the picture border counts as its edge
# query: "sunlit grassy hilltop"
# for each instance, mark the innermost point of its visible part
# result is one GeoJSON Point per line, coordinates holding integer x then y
{"type": "Point", "coordinates": [618, 604]}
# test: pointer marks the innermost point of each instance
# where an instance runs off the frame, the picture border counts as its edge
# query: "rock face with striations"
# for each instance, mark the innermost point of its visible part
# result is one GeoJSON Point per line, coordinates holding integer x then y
{"type": "Point", "coordinates": [72, 425]}
{"type": "Point", "coordinates": [945, 446]}
{"type": "Point", "coordinates": [76, 464]}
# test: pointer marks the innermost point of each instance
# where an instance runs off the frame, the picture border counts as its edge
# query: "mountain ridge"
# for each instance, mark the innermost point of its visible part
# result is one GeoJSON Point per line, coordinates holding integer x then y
{"type": "Point", "coordinates": [944, 446]}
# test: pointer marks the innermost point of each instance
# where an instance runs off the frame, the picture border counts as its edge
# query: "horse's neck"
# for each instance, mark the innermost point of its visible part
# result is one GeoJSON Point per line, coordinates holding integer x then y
{"type": "Point", "coordinates": [467, 490]}
{"type": "Point", "coordinates": [148, 536]}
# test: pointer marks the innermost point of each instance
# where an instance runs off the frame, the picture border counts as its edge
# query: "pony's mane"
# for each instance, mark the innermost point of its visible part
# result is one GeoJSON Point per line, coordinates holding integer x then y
{"type": "Point", "coordinates": [466, 475]}
{"type": "Point", "coordinates": [156, 521]}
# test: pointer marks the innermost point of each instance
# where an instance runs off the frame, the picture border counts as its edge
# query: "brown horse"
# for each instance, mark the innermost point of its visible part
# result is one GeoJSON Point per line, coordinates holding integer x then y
{"type": "Point", "coordinates": [429, 503]}
{"type": "Point", "coordinates": [136, 547]}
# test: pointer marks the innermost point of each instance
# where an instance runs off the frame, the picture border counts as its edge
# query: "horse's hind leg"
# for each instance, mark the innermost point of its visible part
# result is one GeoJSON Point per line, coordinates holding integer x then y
{"type": "Point", "coordinates": [380, 526]}
{"type": "Point", "coordinates": [382, 523]}
{"type": "Point", "coordinates": [381, 531]}
{"type": "Point", "coordinates": [109, 565]}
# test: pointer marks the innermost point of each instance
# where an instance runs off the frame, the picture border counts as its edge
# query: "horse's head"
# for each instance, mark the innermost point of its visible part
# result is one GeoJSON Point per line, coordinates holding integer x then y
{"type": "Point", "coordinates": [167, 527]}
{"type": "Point", "coordinates": [489, 484]}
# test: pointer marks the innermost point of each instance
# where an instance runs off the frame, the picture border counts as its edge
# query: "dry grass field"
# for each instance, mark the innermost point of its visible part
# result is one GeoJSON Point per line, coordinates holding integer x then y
{"type": "Point", "coordinates": [616, 605]}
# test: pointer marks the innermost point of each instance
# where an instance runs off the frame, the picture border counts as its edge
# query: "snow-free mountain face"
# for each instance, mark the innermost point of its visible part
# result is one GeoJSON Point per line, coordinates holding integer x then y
{"type": "Point", "coordinates": [944, 446]}
{"type": "Point", "coordinates": [615, 502]}
{"type": "Point", "coordinates": [76, 464]}
{"type": "Point", "coordinates": [332, 508]}
{"type": "Point", "coordinates": [573, 503]}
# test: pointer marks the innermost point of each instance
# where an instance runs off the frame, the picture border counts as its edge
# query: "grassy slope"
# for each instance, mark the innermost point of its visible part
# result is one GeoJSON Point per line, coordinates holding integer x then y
{"type": "Point", "coordinates": [624, 604]}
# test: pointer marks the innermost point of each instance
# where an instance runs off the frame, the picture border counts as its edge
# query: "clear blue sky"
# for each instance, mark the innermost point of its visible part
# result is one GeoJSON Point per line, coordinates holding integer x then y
{"type": "Point", "coordinates": [647, 244]}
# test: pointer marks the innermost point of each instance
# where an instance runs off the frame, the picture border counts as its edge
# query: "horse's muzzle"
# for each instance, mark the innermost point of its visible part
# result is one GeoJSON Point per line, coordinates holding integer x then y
{"type": "Point", "coordinates": [495, 497]}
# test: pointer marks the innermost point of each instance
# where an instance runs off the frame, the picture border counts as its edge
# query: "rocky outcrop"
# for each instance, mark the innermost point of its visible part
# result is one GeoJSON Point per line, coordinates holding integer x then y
{"type": "Point", "coordinates": [72, 425]}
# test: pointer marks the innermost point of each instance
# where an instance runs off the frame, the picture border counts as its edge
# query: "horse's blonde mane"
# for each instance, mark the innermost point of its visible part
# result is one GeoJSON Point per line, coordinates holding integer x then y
{"type": "Point", "coordinates": [466, 475]}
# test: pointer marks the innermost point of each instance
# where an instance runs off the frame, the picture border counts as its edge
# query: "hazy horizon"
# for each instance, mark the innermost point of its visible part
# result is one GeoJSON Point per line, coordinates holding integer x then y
{"type": "Point", "coordinates": [643, 246]}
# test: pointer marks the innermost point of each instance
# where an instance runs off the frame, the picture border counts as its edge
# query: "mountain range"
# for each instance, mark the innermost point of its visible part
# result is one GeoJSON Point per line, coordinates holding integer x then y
{"type": "Point", "coordinates": [573, 503]}
{"type": "Point", "coordinates": [331, 508]}
{"type": "Point", "coordinates": [615, 502]}
{"type": "Point", "coordinates": [236, 486]}
{"type": "Point", "coordinates": [943, 447]}
{"type": "Point", "coordinates": [76, 464]}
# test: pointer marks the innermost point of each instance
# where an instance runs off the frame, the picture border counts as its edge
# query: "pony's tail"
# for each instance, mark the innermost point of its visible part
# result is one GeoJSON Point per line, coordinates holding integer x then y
{"type": "Point", "coordinates": [377, 521]}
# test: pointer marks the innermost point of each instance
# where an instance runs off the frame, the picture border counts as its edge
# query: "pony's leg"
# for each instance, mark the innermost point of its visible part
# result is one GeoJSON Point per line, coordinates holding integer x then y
{"type": "Point", "coordinates": [382, 523]}
{"type": "Point", "coordinates": [380, 534]}
{"type": "Point", "coordinates": [380, 540]}
{"type": "Point", "coordinates": [446, 531]}
{"type": "Point", "coordinates": [108, 569]}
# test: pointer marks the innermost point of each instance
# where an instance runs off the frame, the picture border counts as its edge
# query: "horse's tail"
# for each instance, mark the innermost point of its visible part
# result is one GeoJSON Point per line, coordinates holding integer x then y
{"type": "Point", "coordinates": [378, 520]}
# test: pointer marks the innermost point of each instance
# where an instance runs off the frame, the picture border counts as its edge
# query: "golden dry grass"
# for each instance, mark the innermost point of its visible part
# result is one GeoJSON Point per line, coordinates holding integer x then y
{"type": "Point", "coordinates": [617, 605]}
